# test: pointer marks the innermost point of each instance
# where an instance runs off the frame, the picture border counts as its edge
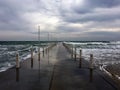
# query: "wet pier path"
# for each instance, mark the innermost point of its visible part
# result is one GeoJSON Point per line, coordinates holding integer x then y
{"type": "Point", "coordinates": [56, 70]}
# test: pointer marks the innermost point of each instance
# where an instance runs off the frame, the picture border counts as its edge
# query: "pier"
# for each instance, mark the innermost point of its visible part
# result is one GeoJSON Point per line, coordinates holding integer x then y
{"type": "Point", "coordinates": [57, 69]}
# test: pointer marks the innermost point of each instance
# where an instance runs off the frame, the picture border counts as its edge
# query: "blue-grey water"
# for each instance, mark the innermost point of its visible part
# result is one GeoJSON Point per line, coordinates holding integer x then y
{"type": "Point", "coordinates": [104, 53]}
{"type": "Point", "coordinates": [102, 50]}
{"type": "Point", "coordinates": [8, 50]}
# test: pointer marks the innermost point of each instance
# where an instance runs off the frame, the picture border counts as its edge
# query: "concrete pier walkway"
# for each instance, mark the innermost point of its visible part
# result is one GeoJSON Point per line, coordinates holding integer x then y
{"type": "Point", "coordinates": [55, 71]}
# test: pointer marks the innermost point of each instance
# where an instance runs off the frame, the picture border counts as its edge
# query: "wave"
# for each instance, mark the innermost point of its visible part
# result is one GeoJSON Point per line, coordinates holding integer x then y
{"type": "Point", "coordinates": [103, 52]}
{"type": "Point", "coordinates": [8, 55]}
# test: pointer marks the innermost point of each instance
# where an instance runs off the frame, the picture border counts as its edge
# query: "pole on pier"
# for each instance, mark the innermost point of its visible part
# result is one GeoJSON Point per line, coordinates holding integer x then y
{"type": "Point", "coordinates": [43, 51]}
{"type": "Point", "coordinates": [75, 53]}
{"type": "Point", "coordinates": [17, 66]}
{"type": "Point", "coordinates": [46, 50]}
{"type": "Point", "coordinates": [91, 67]}
{"type": "Point", "coordinates": [39, 43]}
{"type": "Point", "coordinates": [48, 55]}
{"type": "Point", "coordinates": [38, 54]}
{"type": "Point", "coordinates": [48, 42]}
{"type": "Point", "coordinates": [72, 52]}
{"type": "Point", "coordinates": [31, 57]}
{"type": "Point", "coordinates": [91, 61]}
{"type": "Point", "coordinates": [80, 60]}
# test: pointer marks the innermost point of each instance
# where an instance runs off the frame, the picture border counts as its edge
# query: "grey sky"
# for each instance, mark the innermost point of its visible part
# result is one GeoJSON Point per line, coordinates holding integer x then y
{"type": "Point", "coordinates": [63, 19]}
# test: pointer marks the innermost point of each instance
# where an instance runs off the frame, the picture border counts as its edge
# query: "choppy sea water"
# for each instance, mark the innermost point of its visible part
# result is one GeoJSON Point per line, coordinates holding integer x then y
{"type": "Point", "coordinates": [103, 52]}
{"type": "Point", "coordinates": [8, 52]}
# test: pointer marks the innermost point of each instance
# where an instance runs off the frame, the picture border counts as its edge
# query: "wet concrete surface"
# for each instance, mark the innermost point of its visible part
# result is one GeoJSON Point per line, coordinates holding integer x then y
{"type": "Point", "coordinates": [67, 75]}
{"type": "Point", "coordinates": [56, 72]}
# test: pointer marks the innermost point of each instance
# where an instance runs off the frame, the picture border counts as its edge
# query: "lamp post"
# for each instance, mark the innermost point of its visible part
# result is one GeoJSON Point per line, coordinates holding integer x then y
{"type": "Point", "coordinates": [39, 43]}
{"type": "Point", "coordinates": [48, 36]}
{"type": "Point", "coordinates": [48, 42]}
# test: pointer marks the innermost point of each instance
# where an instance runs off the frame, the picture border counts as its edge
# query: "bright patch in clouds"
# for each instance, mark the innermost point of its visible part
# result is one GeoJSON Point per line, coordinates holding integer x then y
{"type": "Point", "coordinates": [76, 25]}
{"type": "Point", "coordinates": [67, 19]}
{"type": "Point", "coordinates": [46, 22]}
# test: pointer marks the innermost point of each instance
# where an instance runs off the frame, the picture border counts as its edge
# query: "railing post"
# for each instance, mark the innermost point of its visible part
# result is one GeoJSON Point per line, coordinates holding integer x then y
{"type": "Point", "coordinates": [91, 67]}
{"type": "Point", "coordinates": [17, 66]}
{"type": "Point", "coordinates": [39, 54]}
{"type": "Point", "coordinates": [31, 57]}
{"type": "Point", "coordinates": [72, 52]}
{"type": "Point", "coordinates": [91, 61]}
{"type": "Point", "coordinates": [75, 53]}
{"type": "Point", "coordinates": [43, 51]}
{"type": "Point", "coordinates": [80, 61]}
{"type": "Point", "coordinates": [46, 50]}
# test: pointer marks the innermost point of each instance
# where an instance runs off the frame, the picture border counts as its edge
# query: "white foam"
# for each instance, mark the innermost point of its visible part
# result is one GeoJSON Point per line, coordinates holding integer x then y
{"type": "Point", "coordinates": [9, 52]}
{"type": "Point", "coordinates": [6, 66]}
{"type": "Point", "coordinates": [103, 53]}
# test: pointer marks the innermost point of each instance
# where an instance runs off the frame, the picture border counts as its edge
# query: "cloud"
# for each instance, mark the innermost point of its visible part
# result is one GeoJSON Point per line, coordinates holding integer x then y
{"type": "Point", "coordinates": [89, 5]}
{"type": "Point", "coordinates": [76, 18]}
{"type": "Point", "coordinates": [103, 35]}
{"type": "Point", "coordinates": [11, 12]}
{"type": "Point", "coordinates": [97, 14]}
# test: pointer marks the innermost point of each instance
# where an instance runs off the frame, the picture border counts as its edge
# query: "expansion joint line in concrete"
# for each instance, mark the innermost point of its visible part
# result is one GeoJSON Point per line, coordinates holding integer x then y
{"type": "Point", "coordinates": [51, 81]}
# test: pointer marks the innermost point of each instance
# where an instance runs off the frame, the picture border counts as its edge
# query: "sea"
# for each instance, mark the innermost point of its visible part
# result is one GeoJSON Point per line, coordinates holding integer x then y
{"type": "Point", "coordinates": [9, 49]}
{"type": "Point", "coordinates": [104, 52]}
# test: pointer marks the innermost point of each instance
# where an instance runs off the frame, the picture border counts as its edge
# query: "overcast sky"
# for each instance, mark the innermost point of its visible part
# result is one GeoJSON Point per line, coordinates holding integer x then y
{"type": "Point", "coordinates": [63, 19]}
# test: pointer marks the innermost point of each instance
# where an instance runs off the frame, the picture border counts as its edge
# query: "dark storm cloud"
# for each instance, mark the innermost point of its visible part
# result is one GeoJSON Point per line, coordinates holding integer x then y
{"type": "Point", "coordinates": [11, 14]}
{"type": "Point", "coordinates": [102, 3]}
{"type": "Point", "coordinates": [96, 36]}
{"type": "Point", "coordinates": [89, 5]}
{"type": "Point", "coordinates": [92, 10]}
{"type": "Point", "coordinates": [103, 35]}
{"type": "Point", "coordinates": [99, 14]}
{"type": "Point", "coordinates": [107, 24]}
{"type": "Point", "coordinates": [97, 17]}
{"type": "Point", "coordinates": [66, 29]}
{"type": "Point", "coordinates": [7, 15]}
